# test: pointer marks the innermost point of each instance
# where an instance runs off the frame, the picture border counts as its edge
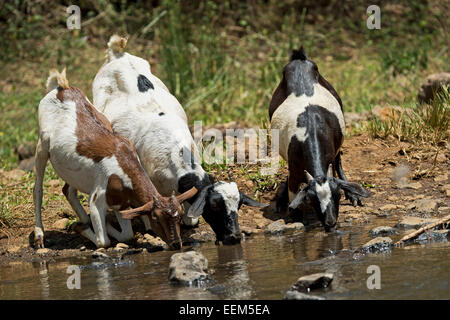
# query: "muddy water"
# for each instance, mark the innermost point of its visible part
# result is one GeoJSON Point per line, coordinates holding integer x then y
{"type": "Point", "coordinates": [262, 267]}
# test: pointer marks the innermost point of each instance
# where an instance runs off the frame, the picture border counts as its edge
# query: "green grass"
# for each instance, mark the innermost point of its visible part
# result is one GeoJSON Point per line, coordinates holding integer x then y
{"type": "Point", "coordinates": [222, 60]}
{"type": "Point", "coordinates": [423, 123]}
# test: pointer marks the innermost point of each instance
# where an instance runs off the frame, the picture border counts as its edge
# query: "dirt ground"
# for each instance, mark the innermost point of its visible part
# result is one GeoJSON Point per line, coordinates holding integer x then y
{"type": "Point", "coordinates": [404, 180]}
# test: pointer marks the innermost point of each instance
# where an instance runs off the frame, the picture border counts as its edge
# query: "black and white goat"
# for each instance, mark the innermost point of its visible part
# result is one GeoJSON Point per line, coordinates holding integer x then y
{"type": "Point", "coordinates": [308, 113]}
{"type": "Point", "coordinates": [142, 109]}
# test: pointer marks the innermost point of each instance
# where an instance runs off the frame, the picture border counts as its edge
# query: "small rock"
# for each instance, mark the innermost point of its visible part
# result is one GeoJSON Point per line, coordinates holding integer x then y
{"type": "Point", "coordinates": [433, 235]}
{"type": "Point", "coordinates": [443, 209]}
{"type": "Point", "coordinates": [442, 177]}
{"type": "Point", "coordinates": [295, 295]}
{"type": "Point", "coordinates": [188, 268]}
{"type": "Point", "coordinates": [97, 254]}
{"type": "Point", "coordinates": [61, 224]}
{"type": "Point", "coordinates": [121, 245]}
{"type": "Point", "coordinates": [27, 164]}
{"type": "Point", "coordinates": [82, 248]}
{"type": "Point", "coordinates": [25, 150]}
{"type": "Point", "coordinates": [441, 158]}
{"type": "Point", "coordinates": [248, 231]}
{"type": "Point", "coordinates": [382, 231]}
{"type": "Point", "coordinates": [445, 187]}
{"type": "Point", "coordinates": [353, 117]}
{"type": "Point", "coordinates": [376, 245]}
{"type": "Point", "coordinates": [387, 112]}
{"type": "Point", "coordinates": [43, 251]}
{"type": "Point", "coordinates": [447, 193]}
{"type": "Point", "coordinates": [313, 281]}
{"type": "Point", "coordinates": [279, 227]}
{"type": "Point", "coordinates": [388, 207]}
{"type": "Point", "coordinates": [433, 83]}
{"type": "Point", "coordinates": [414, 185]}
{"type": "Point", "coordinates": [414, 222]}
{"type": "Point", "coordinates": [156, 243]}
{"type": "Point", "coordinates": [426, 205]}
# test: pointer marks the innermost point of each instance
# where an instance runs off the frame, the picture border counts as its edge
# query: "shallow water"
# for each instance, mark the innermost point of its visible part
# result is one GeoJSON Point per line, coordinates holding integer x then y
{"type": "Point", "coordinates": [262, 267]}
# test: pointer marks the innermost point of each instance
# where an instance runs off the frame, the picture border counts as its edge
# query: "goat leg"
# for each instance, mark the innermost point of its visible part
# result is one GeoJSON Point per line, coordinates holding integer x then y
{"type": "Point", "coordinates": [282, 197]}
{"type": "Point", "coordinates": [41, 162]}
{"type": "Point", "coordinates": [354, 199]}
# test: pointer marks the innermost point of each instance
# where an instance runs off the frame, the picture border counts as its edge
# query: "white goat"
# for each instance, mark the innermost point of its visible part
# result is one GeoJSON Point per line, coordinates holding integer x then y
{"type": "Point", "coordinates": [140, 108]}
{"type": "Point", "coordinates": [85, 153]}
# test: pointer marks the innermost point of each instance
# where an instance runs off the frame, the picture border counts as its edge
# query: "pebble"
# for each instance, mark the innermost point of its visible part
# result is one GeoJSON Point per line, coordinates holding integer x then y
{"type": "Point", "coordinates": [295, 295]}
{"type": "Point", "coordinates": [413, 222]}
{"type": "Point", "coordinates": [61, 224]}
{"type": "Point", "coordinates": [376, 245]}
{"type": "Point", "coordinates": [414, 186]}
{"type": "Point", "coordinates": [99, 254]}
{"type": "Point", "coordinates": [248, 231]}
{"type": "Point", "coordinates": [42, 251]}
{"type": "Point", "coordinates": [121, 246]}
{"type": "Point", "coordinates": [442, 177]}
{"type": "Point", "coordinates": [388, 207]}
{"type": "Point", "coordinates": [278, 227]}
{"type": "Point", "coordinates": [382, 231]}
{"type": "Point", "coordinates": [313, 281]}
{"type": "Point", "coordinates": [425, 205]}
{"type": "Point", "coordinates": [433, 235]}
{"type": "Point", "coordinates": [188, 268]}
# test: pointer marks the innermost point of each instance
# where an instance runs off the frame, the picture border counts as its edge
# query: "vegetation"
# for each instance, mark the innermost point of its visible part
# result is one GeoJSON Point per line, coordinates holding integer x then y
{"type": "Point", "coordinates": [223, 59]}
{"type": "Point", "coordinates": [428, 123]}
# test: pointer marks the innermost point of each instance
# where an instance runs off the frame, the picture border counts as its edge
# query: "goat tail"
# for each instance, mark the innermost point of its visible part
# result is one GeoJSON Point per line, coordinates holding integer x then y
{"type": "Point", "coordinates": [57, 79]}
{"type": "Point", "coordinates": [116, 44]}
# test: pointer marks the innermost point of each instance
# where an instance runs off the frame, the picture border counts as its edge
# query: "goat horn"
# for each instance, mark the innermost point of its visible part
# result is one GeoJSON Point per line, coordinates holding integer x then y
{"type": "Point", "coordinates": [186, 195]}
{"type": "Point", "coordinates": [131, 213]}
{"type": "Point", "coordinates": [330, 171]}
{"type": "Point", "coordinates": [309, 177]}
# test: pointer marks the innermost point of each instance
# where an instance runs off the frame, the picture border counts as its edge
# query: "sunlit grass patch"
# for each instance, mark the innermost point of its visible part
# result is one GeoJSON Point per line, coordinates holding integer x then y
{"type": "Point", "coordinates": [424, 123]}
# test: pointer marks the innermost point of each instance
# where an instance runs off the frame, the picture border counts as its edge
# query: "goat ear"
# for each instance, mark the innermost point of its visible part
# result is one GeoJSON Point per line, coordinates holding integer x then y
{"type": "Point", "coordinates": [245, 199]}
{"type": "Point", "coordinates": [196, 209]}
{"type": "Point", "coordinates": [353, 188]}
{"type": "Point", "coordinates": [299, 198]}
{"type": "Point", "coordinates": [299, 54]}
{"type": "Point", "coordinates": [187, 195]}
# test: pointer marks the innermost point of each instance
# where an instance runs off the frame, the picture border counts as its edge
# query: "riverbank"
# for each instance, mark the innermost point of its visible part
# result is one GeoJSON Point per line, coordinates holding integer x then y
{"type": "Point", "coordinates": [406, 181]}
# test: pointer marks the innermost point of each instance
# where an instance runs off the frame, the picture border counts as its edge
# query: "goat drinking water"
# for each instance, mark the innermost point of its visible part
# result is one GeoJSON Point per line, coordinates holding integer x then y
{"type": "Point", "coordinates": [90, 158]}
{"type": "Point", "coordinates": [141, 108]}
{"type": "Point", "coordinates": [307, 111]}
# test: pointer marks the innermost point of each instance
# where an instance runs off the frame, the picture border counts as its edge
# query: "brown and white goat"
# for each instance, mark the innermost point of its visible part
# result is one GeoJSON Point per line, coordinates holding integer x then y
{"type": "Point", "coordinates": [92, 159]}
